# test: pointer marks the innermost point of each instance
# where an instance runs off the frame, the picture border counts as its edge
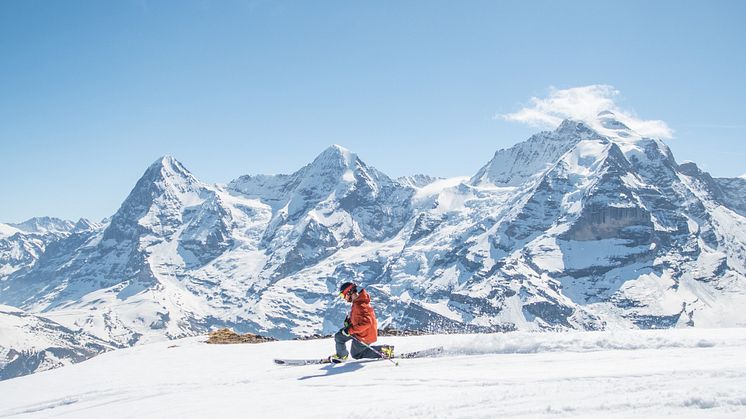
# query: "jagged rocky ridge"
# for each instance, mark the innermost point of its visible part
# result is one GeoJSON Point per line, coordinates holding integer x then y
{"type": "Point", "coordinates": [576, 228]}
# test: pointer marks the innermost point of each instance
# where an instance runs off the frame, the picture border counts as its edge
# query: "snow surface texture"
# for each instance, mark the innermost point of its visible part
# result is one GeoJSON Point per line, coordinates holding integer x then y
{"type": "Point", "coordinates": [691, 373]}
{"type": "Point", "coordinates": [580, 228]}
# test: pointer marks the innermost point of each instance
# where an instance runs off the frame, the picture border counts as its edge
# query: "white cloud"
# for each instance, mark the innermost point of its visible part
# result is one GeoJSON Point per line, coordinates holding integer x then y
{"type": "Point", "coordinates": [584, 104]}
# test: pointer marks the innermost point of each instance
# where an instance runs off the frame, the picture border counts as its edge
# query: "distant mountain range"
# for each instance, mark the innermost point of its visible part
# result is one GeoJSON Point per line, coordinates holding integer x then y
{"type": "Point", "coordinates": [589, 226]}
{"type": "Point", "coordinates": [33, 343]}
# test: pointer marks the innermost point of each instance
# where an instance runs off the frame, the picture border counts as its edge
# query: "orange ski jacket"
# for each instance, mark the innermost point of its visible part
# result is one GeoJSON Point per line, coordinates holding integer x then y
{"type": "Point", "coordinates": [363, 319]}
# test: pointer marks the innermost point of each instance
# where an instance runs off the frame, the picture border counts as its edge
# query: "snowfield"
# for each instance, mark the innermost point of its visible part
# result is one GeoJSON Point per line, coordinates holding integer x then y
{"type": "Point", "coordinates": [682, 373]}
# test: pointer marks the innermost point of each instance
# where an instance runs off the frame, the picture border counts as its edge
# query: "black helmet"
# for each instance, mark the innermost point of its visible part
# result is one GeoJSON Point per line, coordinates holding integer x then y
{"type": "Point", "coordinates": [347, 288]}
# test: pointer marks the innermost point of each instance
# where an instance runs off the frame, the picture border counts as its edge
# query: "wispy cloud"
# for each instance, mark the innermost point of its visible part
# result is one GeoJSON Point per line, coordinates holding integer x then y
{"type": "Point", "coordinates": [584, 104]}
{"type": "Point", "coordinates": [723, 126]}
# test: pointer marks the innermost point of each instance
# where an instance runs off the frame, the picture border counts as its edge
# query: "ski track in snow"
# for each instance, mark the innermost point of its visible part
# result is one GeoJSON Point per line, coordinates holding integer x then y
{"type": "Point", "coordinates": [682, 373]}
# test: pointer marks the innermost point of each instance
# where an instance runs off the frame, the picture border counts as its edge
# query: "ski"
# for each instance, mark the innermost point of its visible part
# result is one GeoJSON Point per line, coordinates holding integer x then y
{"type": "Point", "coordinates": [424, 353]}
{"type": "Point", "coordinates": [295, 362]}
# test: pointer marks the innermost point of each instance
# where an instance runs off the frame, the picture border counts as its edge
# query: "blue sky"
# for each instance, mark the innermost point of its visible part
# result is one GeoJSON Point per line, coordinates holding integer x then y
{"type": "Point", "coordinates": [92, 92]}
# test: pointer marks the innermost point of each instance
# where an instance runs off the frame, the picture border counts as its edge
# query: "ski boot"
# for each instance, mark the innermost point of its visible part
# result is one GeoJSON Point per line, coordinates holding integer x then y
{"type": "Point", "coordinates": [336, 359]}
{"type": "Point", "coordinates": [387, 351]}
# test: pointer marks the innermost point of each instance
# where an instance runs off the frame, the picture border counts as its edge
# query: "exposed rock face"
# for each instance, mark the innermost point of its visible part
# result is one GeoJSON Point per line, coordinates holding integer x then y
{"type": "Point", "coordinates": [599, 223]}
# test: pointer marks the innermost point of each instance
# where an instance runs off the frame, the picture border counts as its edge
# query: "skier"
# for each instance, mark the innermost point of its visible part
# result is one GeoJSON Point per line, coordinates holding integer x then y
{"type": "Point", "coordinates": [360, 326]}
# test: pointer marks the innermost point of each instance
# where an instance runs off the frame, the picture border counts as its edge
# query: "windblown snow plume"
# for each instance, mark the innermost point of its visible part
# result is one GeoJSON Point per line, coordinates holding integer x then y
{"type": "Point", "coordinates": [587, 104]}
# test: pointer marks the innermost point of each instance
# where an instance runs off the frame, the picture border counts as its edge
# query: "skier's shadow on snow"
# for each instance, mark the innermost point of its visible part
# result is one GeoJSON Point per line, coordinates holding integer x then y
{"type": "Point", "coordinates": [334, 369]}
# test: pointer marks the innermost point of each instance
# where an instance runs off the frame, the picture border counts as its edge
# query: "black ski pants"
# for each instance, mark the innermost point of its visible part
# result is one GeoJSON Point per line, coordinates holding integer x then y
{"type": "Point", "coordinates": [357, 349]}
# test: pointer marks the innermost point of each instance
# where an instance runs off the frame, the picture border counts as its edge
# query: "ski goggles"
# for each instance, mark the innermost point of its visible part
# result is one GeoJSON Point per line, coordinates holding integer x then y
{"type": "Point", "coordinates": [345, 292]}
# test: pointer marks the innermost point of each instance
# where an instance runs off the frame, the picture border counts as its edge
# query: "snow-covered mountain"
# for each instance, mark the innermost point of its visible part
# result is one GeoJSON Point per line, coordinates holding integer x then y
{"type": "Point", "coordinates": [22, 244]}
{"type": "Point", "coordinates": [337, 201]}
{"type": "Point", "coordinates": [589, 226]}
{"type": "Point", "coordinates": [45, 225]}
{"type": "Point", "coordinates": [417, 181]}
{"type": "Point", "coordinates": [32, 343]}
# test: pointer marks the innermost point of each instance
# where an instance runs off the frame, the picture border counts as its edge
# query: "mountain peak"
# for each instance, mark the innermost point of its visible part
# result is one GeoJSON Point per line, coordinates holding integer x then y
{"type": "Point", "coordinates": [167, 173]}
{"type": "Point", "coordinates": [165, 159]}
{"type": "Point", "coordinates": [85, 224]}
{"type": "Point", "coordinates": [573, 127]}
{"type": "Point", "coordinates": [335, 155]}
{"type": "Point", "coordinates": [166, 182]}
{"type": "Point", "coordinates": [338, 149]}
{"type": "Point", "coordinates": [334, 164]}
{"type": "Point", "coordinates": [608, 120]}
{"type": "Point", "coordinates": [167, 166]}
{"type": "Point", "coordinates": [44, 225]}
{"type": "Point", "coordinates": [515, 165]}
{"type": "Point", "coordinates": [605, 123]}
{"type": "Point", "coordinates": [418, 180]}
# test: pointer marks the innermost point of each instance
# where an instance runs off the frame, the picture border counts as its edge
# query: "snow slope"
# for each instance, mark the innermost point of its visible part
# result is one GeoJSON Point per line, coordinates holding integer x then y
{"type": "Point", "coordinates": [637, 373]}
{"type": "Point", "coordinates": [7, 230]}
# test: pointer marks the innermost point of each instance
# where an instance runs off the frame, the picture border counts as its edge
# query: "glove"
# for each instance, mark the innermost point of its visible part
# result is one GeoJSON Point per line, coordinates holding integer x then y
{"type": "Point", "coordinates": [345, 331]}
{"type": "Point", "coordinates": [347, 323]}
